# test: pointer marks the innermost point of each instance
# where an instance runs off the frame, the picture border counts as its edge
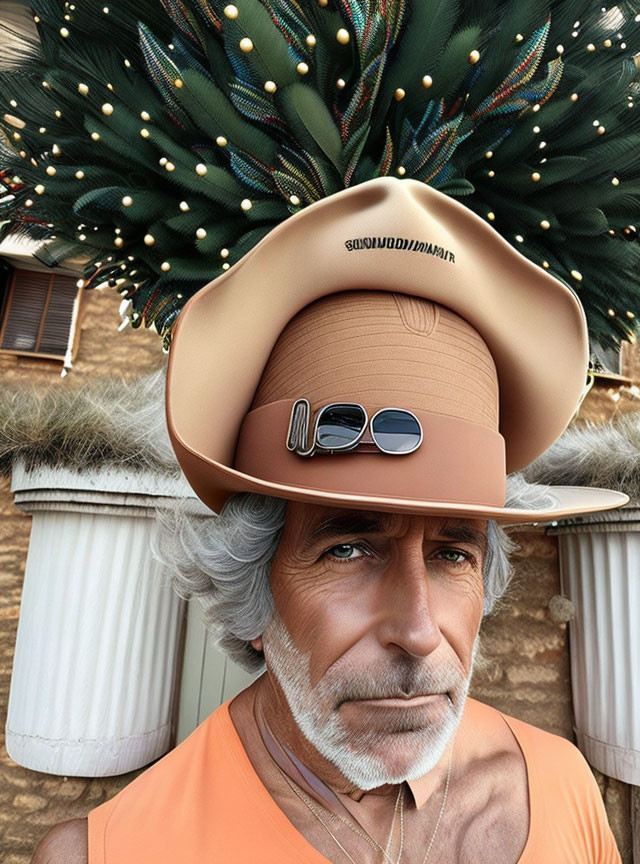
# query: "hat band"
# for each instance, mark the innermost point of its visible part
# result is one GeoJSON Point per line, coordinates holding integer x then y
{"type": "Point", "coordinates": [458, 461]}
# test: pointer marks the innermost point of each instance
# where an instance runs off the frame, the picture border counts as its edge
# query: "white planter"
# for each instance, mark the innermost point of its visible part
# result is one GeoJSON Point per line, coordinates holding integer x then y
{"type": "Point", "coordinates": [97, 651]}
{"type": "Point", "coordinates": [600, 571]}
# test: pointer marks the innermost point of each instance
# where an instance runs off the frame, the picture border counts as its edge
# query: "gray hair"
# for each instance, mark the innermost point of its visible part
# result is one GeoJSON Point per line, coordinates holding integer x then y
{"type": "Point", "coordinates": [225, 562]}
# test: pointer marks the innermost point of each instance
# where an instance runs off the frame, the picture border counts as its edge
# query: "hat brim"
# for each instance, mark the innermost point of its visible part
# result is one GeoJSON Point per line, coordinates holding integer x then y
{"type": "Point", "coordinates": [565, 500]}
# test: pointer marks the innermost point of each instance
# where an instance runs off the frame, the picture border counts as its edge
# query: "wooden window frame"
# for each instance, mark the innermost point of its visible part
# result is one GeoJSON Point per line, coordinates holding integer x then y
{"type": "Point", "coordinates": [6, 311]}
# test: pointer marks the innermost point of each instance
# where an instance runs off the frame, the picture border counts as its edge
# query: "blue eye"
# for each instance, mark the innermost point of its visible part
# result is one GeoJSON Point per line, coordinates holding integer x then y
{"type": "Point", "coordinates": [344, 552]}
{"type": "Point", "coordinates": [453, 556]}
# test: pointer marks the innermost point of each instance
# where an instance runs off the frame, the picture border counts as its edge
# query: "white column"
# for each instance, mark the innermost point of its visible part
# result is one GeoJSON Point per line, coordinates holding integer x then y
{"type": "Point", "coordinates": [93, 689]}
{"type": "Point", "coordinates": [600, 569]}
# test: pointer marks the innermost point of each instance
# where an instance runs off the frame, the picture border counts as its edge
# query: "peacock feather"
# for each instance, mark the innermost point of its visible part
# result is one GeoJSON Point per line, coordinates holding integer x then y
{"type": "Point", "coordinates": [161, 141]}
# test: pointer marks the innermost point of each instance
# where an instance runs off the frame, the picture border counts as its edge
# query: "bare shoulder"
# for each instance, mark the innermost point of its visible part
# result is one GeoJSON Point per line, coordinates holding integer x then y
{"type": "Point", "coordinates": [65, 843]}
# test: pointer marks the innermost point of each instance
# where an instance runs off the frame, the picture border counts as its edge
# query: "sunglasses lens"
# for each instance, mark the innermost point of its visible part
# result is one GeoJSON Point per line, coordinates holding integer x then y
{"type": "Point", "coordinates": [396, 431]}
{"type": "Point", "coordinates": [339, 426]}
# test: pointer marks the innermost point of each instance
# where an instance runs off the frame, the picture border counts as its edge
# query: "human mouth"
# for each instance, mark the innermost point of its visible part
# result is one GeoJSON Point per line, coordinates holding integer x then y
{"type": "Point", "coordinates": [416, 701]}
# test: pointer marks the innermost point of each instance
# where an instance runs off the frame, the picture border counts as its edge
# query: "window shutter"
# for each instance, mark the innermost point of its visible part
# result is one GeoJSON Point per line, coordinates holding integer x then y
{"type": "Point", "coordinates": [55, 333]}
{"type": "Point", "coordinates": [28, 299]}
{"type": "Point", "coordinates": [39, 313]}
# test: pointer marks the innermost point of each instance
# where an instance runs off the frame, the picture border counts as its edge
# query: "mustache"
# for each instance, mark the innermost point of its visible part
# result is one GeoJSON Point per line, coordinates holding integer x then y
{"type": "Point", "coordinates": [404, 679]}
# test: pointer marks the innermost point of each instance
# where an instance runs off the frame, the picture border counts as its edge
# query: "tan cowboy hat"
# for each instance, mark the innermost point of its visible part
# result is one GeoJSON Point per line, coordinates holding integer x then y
{"type": "Point", "coordinates": [387, 296]}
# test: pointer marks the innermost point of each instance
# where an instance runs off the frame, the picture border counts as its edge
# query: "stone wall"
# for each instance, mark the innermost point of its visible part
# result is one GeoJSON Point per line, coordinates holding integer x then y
{"type": "Point", "coordinates": [524, 669]}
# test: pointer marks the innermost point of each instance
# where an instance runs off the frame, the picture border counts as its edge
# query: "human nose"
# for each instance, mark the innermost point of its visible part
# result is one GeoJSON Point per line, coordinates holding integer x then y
{"type": "Point", "coordinates": [407, 618]}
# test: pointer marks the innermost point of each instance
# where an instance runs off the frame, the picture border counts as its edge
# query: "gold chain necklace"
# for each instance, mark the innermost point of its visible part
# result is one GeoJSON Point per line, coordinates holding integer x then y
{"type": "Point", "coordinates": [400, 799]}
{"type": "Point", "coordinates": [306, 800]}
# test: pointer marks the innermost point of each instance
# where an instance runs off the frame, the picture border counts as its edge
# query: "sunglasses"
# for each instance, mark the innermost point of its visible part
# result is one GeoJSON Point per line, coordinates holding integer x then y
{"type": "Point", "coordinates": [344, 426]}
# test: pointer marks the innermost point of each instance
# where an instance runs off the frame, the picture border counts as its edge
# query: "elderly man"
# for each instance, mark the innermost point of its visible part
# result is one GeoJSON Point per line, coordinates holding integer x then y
{"type": "Point", "coordinates": [373, 399]}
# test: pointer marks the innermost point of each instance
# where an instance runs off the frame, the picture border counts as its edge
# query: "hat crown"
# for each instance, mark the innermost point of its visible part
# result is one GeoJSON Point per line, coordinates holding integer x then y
{"type": "Point", "coordinates": [383, 349]}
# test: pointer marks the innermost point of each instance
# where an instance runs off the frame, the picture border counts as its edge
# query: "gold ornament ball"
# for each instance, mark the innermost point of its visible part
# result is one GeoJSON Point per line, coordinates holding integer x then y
{"type": "Point", "coordinates": [79, 174]}
{"type": "Point", "coordinates": [246, 204]}
{"type": "Point", "coordinates": [535, 176]}
{"type": "Point", "coordinates": [302, 68]}
{"type": "Point", "coordinates": [55, 150]}
{"type": "Point", "coordinates": [343, 36]}
{"type": "Point", "coordinates": [546, 265]}
{"type": "Point", "coordinates": [82, 237]}
{"type": "Point", "coordinates": [110, 87]}
{"type": "Point", "coordinates": [545, 224]}
{"type": "Point", "coordinates": [488, 154]}
{"type": "Point", "coordinates": [427, 81]}
{"type": "Point", "coordinates": [491, 216]}
{"type": "Point", "coordinates": [13, 103]}
{"type": "Point", "coordinates": [294, 199]}
{"type": "Point", "coordinates": [224, 253]}
{"type": "Point", "coordinates": [535, 108]}
{"type": "Point", "coordinates": [607, 43]}
{"type": "Point", "coordinates": [107, 108]}
{"type": "Point", "coordinates": [399, 94]}
{"type": "Point", "coordinates": [29, 202]}
{"type": "Point", "coordinates": [149, 239]}
{"type": "Point", "coordinates": [560, 49]}
{"type": "Point", "coordinates": [323, 3]}
{"type": "Point", "coordinates": [36, 19]}
{"type": "Point", "coordinates": [401, 170]}
{"type": "Point", "coordinates": [162, 160]}
{"type": "Point", "coordinates": [519, 37]}
{"type": "Point", "coordinates": [574, 97]}
{"type": "Point", "coordinates": [615, 181]}
{"type": "Point", "coordinates": [145, 132]}
{"type": "Point", "coordinates": [42, 130]}
{"type": "Point", "coordinates": [474, 56]}
{"type": "Point", "coordinates": [201, 233]}
{"type": "Point", "coordinates": [184, 206]}
{"type": "Point", "coordinates": [83, 88]}
{"type": "Point", "coordinates": [51, 170]}
{"type": "Point", "coordinates": [310, 40]}
{"type": "Point", "coordinates": [221, 141]}
{"type": "Point", "coordinates": [145, 116]}
{"type": "Point", "coordinates": [601, 130]}
{"type": "Point", "coordinates": [64, 32]}
{"type": "Point", "coordinates": [577, 275]}
{"type": "Point", "coordinates": [231, 12]}
{"type": "Point", "coordinates": [118, 241]}
{"type": "Point", "coordinates": [270, 86]}
{"type": "Point", "coordinates": [492, 173]}
{"type": "Point", "coordinates": [611, 313]}
{"type": "Point", "coordinates": [226, 264]}
{"type": "Point", "coordinates": [165, 266]}
{"type": "Point", "coordinates": [39, 189]}
{"type": "Point", "coordinates": [340, 83]}
{"type": "Point", "coordinates": [178, 83]}
{"type": "Point", "coordinates": [170, 166]}
{"type": "Point", "coordinates": [246, 45]}
{"type": "Point", "coordinates": [58, 113]}
{"type": "Point", "coordinates": [591, 47]}
{"type": "Point", "coordinates": [127, 201]}
{"type": "Point", "coordinates": [17, 136]}
{"type": "Point", "coordinates": [201, 169]}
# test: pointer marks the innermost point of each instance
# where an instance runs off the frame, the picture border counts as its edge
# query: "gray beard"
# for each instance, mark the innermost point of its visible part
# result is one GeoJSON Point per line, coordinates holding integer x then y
{"type": "Point", "coordinates": [315, 710]}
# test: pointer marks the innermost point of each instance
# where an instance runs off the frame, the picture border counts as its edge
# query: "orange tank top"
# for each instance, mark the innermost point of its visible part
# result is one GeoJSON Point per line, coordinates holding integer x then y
{"type": "Point", "coordinates": [204, 802]}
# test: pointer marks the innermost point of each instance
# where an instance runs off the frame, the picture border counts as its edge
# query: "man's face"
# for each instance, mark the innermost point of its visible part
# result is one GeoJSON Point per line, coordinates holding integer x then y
{"type": "Point", "coordinates": [373, 636]}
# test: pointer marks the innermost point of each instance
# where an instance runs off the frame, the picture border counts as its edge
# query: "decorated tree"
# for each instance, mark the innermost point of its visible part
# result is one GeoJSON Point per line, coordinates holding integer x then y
{"type": "Point", "coordinates": [163, 140]}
